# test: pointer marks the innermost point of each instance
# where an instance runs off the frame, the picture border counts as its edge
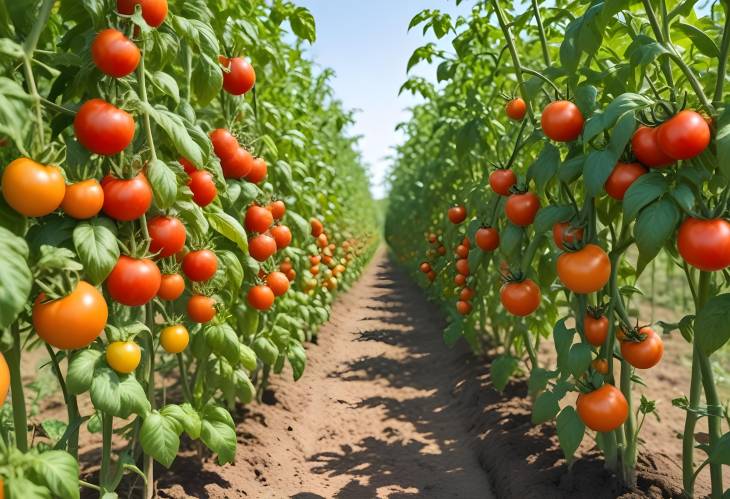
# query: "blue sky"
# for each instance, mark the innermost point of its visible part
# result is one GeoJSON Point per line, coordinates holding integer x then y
{"type": "Point", "coordinates": [367, 44]}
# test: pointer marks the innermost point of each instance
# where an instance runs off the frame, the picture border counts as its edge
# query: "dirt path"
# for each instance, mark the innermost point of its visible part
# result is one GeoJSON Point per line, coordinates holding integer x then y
{"type": "Point", "coordinates": [373, 416]}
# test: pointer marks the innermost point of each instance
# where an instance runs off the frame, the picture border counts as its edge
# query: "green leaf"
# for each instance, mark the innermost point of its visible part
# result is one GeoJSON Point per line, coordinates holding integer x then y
{"type": "Point", "coordinates": [297, 359]}
{"type": "Point", "coordinates": [176, 130]}
{"type": "Point", "coordinates": [248, 358]}
{"type": "Point", "coordinates": [81, 370]}
{"type": "Point", "coordinates": [544, 167]}
{"type": "Point", "coordinates": [597, 168]}
{"type": "Point", "coordinates": [17, 279]}
{"type": "Point", "coordinates": [105, 391]}
{"type": "Point", "coordinates": [222, 339]}
{"type": "Point", "coordinates": [722, 140]}
{"type": "Point", "coordinates": [163, 182]}
{"type": "Point", "coordinates": [244, 388]}
{"type": "Point", "coordinates": [299, 226]}
{"type": "Point", "coordinates": [502, 368]}
{"type": "Point", "coordinates": [579, 358]}
{"type": "Point", "coordinates": [603, 120]}
{"type": "Point", "coordinates": [545, 407]}
{"type": "Point", "coordinates": [563, 339]}
{"type": "Point", "coordinates": [59, 471]}
{"type": "Point", "coordinates": [712, 324]}
{"type": "Point", "coordinates": [159, 438]}
{"type": "Point", "coordinates": [550, 215]}
{"type": "Point", "coordinates": [303, 25]}
{"type": "Point", "coordinates": [453, 332]}
{"type": "Point", "coordinates": [645, 189]}
{"type": "Point", "coordinates": [265, 350]}
{"type": "Point", "coordinates": [97, 247]}
{"type": "Point", "coordinates": [720, 452]}
{"type": "Point", "coordinates": [699, 39]}
{"type": "Point", "coordinates": [228, 227]}
{"type": "Point", "coordinates": [570, 431]}
{"type": "Point", "coordinates": [133, 398]}
{"type": "Point", "coordinates": [510, 239]}
{"type": "Point", "coordinates": [218, 433]}
{"type": "Point", "coordinates": [166, 84]}
{"type": "Point", "coordinates": [654, 227]}
{"type": "Point", "coordinates": [539, 378]}
{"type": "Point", "coordinates": [207, 79]}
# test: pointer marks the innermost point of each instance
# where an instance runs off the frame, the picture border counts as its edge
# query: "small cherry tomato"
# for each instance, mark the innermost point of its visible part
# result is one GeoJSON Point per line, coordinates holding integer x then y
{"type": "Point", "coordinates": [200, 265]}
{"type": "Point", "coordinates": [502, 180]}
{"type": "Point", "coordinates": [516, 109]}
{"type": "Point", "coordinates": [239, 76]}
{"type": "Point", "coordinates": [167, 235]}
{"type": "Point", "coordinates": [261, 247]}
{"type": "Point", "coordinates": [278, 283]}
{"type": "Point", "coordinates": [457, 214]}
{"type": "Point", "coordinates": [282, 236]}
{"type": "Point", "coordinates": [562, 121]}
{"type": "Point", "coordinates": [564, 233]}
{"type": "Point", "coordinates": [201, 308]}
{"type": "Point", "coordinates": [238, 165]}
{"type": "Point", "coordinates": [174, 339]}
{"type": "Point", "coordinates": [596, 329]}
{"type": "Point", "coordinates": [261, 297]}
{"type": "Point", "coordinates": [172, 287]}
{"type": "Point", "coordinates": [154, 12]}
{"type": "Point", "coordinates": [487, 238]}
{"type": "Point", "coordinates": [621, 178]}
{"type": "Point", "coordinates": [646, 148]}
{"type": "Point", "coordinates": [258, 171]}
{"type": "Point", "coordinates": [203, 187]}
{"type": "Point", "coordinates": [83, 200]}
{"type": "Point", "coordinates": [258, 219]}
{"type": "Point", "coordinates": [522, 208]}
{"type": "Point", "coordinates": [277, 209]}
{"type": "Point", "coordinates": [123, 356]}
{"type": "Point", "coordinates": [225, 145]}
{"type": "Point", "coordinates": [463, 307]}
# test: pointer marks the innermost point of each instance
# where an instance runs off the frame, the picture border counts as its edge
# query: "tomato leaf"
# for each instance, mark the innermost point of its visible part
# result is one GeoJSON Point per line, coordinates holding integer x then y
{"type": "Point", "coordinates": [17, 280]}
{"type": "Point", "coordinates": [603, 120]}
{"type": "Point", "coordinates": [297, 359]}
{"type": "Point", "coordinates": [176, 130]}
{"type": "Point", "coordinates": [302, 24]}
{"type": "Point", "coordinates": [544, 167]}
{"type": "Point", "coordinates": [645, 189]}
{"type": "Point", "coordinates": [699, 39]}
{"type": "Point", "coordinates": [597, 168]}
{"type": "Point", "coordinates": [228, 227]}
{"type": "Point", "coordinates": [723, 142]}
{"type": "Point", "coordinates": [59, 471]}
{"type": "Point", "coordinates": [133, 398]}
{"type": "Point", "coordinates": [545, 407]}
{"type": "Point", "coordinates": [159, 438]}
{"type": "Point", "coordinates": [654, 227]}
{"type": "Point", "coordinates": [164, 183]}
{"type": "Point", "coordinates": [222, 339]}
{"type": "Point", "coordinates": [207, 79]}
{"type": "Point", "coordinates": [720, 452]}
{"type": "Point", "coordinates": [97, 247]}
{"type": "Point", "coordinates": [81, 370]}
{"type": "Point", "coordinates": [105, 391]}
{"type": "Point", "coordinates": [712, 324]}
{"type": "Point", "coordinates": [563, 339]}
{"type": "Point", "coordinates": [579, 358]}
{"type": "Point", "coordinates": [218, 433]}
{"type": "Point", "coordinates": [502, 368]}
{"type": "Point", "coordinates": [538, 380]}
{"type": "Point", "coordinates": [570, 431]}
{"type": "Point", "coordinates": [510, 239]}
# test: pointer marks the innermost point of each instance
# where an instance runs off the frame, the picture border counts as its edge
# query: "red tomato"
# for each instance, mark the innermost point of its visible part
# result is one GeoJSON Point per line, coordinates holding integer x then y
{"type": "Point", "coordinates": [103, 128]}
{"type": "Point", "coordinates": [596, 330]}
{"type": "Point", "coordinates": [457, 214]}
{"type": "Point", "coordinates": [466, 294]}
{"type": "Point", "coordinates": [462, 266]}
{"type": "Point", "coordinates": [586, 270]}
{"type": "Point", "coordinates": [258, 171]}
{"type": "Point", "coordinates": [239, 165]}
{"type": "Point", "coordinates": [462, 251]}
{"type": "Point", "coordinates": [621, 178]}
{"type": "Point", "coordinates": [261, 297]}
{"type": "Point", "coordinates": [154, 12]}
{"type": "Point", "coordinates": [172, 287]}
{"type": "Point", "coordinates": [425, 267]}
{"type": "Point", "coordinates": [200, 265]}
{"type": "Point", "coordinates": [258, 219]}
{"type": "Point", "coordinates": [431, 276]}
{"type": "Point", "coordinates": [83, 199]}
{"type": "Point", "coordinates": [133, 281]}
{"type": "Point", "coordinates": [522, 208]}
{"type": "Point", "coordinates": [167, 235]}
{"type": "Point", "coordinates": [278, 283]}
{"type": "Point", "coordinates": [239, 76]}
{"type": "Point", "coordinates": [684, 136]}
{"type": "Point", "coordinates": [225, 145]}
{"type": "Point", "coordinates": [646, 353]}
{"type": "Point", "coordinates": [520, 298]}
{"type": "Point", "coordinates": [73, 321]}
{"type": "Point", "coordinates": [502, 180]}
{"type": "Point", "coordinates": [187, 165]}
{"type": "Point", "coordinates": [516, 109]}
{"type": "Point", "coordinates": [203, 187]}
{"type": "Point", "coordinates": [563, 233]}
{"type": "Point", "coordinates": [604, 409]}
{"type": "Point", "coordinates": [201, 308]}
{"type": "Point", "coordinates": [261, 247]}
{"type": "Point", "coordinates": [463, 307]}
{"type": "Point", "coordinates": [562, 121]}
{"type": "Point", "coordinates": [317, 227]}
{"type": "Point", "coordinates": [646, 148]}
{"type": "Point", "coordinates": [32, 189]}
{"type": "Point", "coordinates": [277, 209]}
{"type": "Point", "coordinates": [282, 236]}
{"type": "Point", "coordinates": [126, 199]}
{"type": "Point", "coordinates": [487, 238]}
{"type": "Point", "coordinates": [115, 54]}
{"type": "Point", "coordinates": [705, 244]}
{"type": "Point", "coordinates": [4, 387]}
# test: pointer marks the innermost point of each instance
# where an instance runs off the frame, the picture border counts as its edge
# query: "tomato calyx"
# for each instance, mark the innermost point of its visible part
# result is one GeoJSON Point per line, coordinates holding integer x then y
{"type": "Point", "coordinates": [633, 334]}
{"type": "Point", "coordinates": [596, 311]}
{"type": "Point", "coordinates": [509, 276]}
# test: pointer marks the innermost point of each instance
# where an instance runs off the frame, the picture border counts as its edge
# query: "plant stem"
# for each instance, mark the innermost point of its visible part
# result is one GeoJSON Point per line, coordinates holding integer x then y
{"type": "Point", "coordinates": [688, 438]}
{"type": "Point", "coordinates": [148, 463]}
{"type": "Point", "coordinates": [722, 64]}
{"type": "Point", "coordinates": [541, 31]}
{"type": "Point", "coordinates": [659, 34]}
{"type": "Point", "coordinates": [72, 409]}
{"type": "Point", "coordinates": [107, 421]}
{"type": "Point", "coordinates": [20, 419]}
{"type": "Point", "coordinates": [143, 96]}
{"type": "Point", "coordinates": [184, 376]}
{"type": "Point", "coordinates": [629, 455]}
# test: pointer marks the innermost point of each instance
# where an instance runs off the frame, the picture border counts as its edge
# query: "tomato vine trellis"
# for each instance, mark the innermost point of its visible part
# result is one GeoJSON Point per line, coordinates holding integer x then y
{"type": "Point", "coordinates": [614, 139]}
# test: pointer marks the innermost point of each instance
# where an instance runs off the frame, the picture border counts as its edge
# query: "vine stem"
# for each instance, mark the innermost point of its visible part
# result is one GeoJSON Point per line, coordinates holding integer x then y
{"type": "Point", "coordinates": [541, 31]}
{"type": "Point", "coordinates": [724, 49]}
{"type": "Point", "coordinates": [143, 95]}
{"type": "Point", "coordinates": [659, 34]}
{"type": "Point", "coordinates": [71, 405]}
{"type": "Point", "coordinates": [148, 463]}
{"type": "Point", "coordinates": [20, 418]}
{"type": "Point", "coordinates": [513, 53]}
{"type": "Point", "coordinates": [107, 421]}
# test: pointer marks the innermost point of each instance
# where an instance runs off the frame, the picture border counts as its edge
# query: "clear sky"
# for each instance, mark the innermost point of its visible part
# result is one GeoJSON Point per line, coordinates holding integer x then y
{"type": "Point", "coordinates": [367, 43]}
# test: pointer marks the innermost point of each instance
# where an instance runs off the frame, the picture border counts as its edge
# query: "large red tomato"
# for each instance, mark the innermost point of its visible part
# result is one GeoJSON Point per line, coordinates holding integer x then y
{"type": "Point", "coordinates": [115, 54]}
{"type": "Point", "coordinates": [167, 235]}
{"type": "Point", "coordinates": [621, 178]}
{"type": "Point", "coordinates": [238, 165]}
{"type": "Point", "coordinates": [258, 171]}
{"type": "Point", "coordinates": [586, 270]}
{"type": "Point", "coordinates": [502, 180]}
{"type": "Point", "coordinates": [646, 148]}
{"type": "Point", "coordinates": [240, 76]}
{"type": "Point", "coordinates": [133, 281]}
{"type": "Point", "coordinates": [520, 298]}
{"type": "Point", "coordinates": [522, 208]}
{"type": "Point", "coordinates": [203, 187]}
{"type": "Point", "coordinates": [200, 265]}
{"type": "Point", "coordinates": [225, 145]}
{"type": "Point", "coordinates": [103, 128]}
{"type": "Point", "coordinates": [258, 219]}
{"type": "Point", "coordinates": [126, 199]}
{"type": "Point", "coordinates": [154, 12]}
{"type": "Point", "coordinates": [73, 321]}
{"type": "Point", "coordinates": [684, 135]}
{"type": "Point", "coordinates": [645, 353]}
{"type": "Point", "coordinates": [562, 121]}
{"type": "Point", "coordinates": [604, 409]}
{"type": "Point", "coordinates": [32, 189]}
{"type": "Point", "coordinates": [705, 244]}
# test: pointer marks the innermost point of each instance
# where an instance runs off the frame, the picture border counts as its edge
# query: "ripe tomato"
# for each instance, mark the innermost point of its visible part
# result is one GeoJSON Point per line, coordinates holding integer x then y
{"type": "Point", "coordinates": [103, 128]}
{"type": "Point", "coordinates": [441, 250]}
{"type": "Point", "coordinates": [4, 381]}
{"type": "Point", "coordinates": [460, 279]}
{"type": "Point", "coordinates": [645, 353]}
{"type": "Point", "coordinates": [277, 209]}
{"type": "Point", "coordinates": [705, 244]}
{"type": "Point", "coordinates": [278, 283]}
{"type": "Point", "coordinates": [621, 178]}
{"type": "Point", "coordinates": [172, 287]}
{"type": "Point", "coordinates": [596, 330]}
{"type": "Point", "coordinates": [466, 294]}
{"type": "Point", "coordinates": [261, 297]}
{"type": "Point", "coordinates": [431, 276]}
{"type": "Point", "coordinates": [315, 259]}
{"type": "Point", "coordinates": [282, 236]}
{"type": "Point", "coordinates": [322, 241]}
{"type": "Point", "coordinates": [225, 145]}
{"type": "Point", "coordinates": [487, 238]}
{"type": "Point", "coordinates": [239, 76]}
{"type": "Point", "coordinates": [115, 54]}
{"type": "Point", "coordinates": [291, 274]}
{"type": "Point", "coordinates": [238, 165]}
{"type": "Point", "coordinates": [462, 266]}
{"type": "Point", "coordinates": [154, 12]}
{"type": "Point", "coordinates": [646, 148]}
{"type": "Point", "coordinates": [174, 339]}
{"type": "Point", "coordinates": [457, 214]}
{"type": "Point", "coordinates": [261, 247]}
{"type": "Point", "coordinates": [200, 265]}
{"type": "Point", "coordinates": [126, 199]}
{"type": "Point", "coordinates": [314, 270]}
{"type": "Point", "coordinates": [462, 251]}
{"type": "Point", "coordinates": [463, 307]}
{"type": "Point", "coordinates": [502, 180]}
{"type": "Point", "coordinates": [258, 219]}
{"type": "Point", "coordinates": [203, 187]}
{"type": "Point", "coordinates": [604, 409]}
{"type": "Point", "coordinates": [83, 199]}
{"type": "Point", "coordinates": [123, 356]}
{"type": "Point", "coordinates": [684, 135]}
{"type": "Point", "coordinates": [600, 366]}
{"type": "Point", "coordinates": [317, 227]}
{"type": "Point", "coordinates": [187, 165]}
{"type": "Point", "coordinates": [167, 235]}
{"type": "Point", "coordinates": [432, 238]}
{"type": "Point", "coordinates": [586, 270]}
{"type": "Point", "coordinates": [258, 171]}
{"type": "Point", "coordinates": [32, 189]}
{"type": "Point", "coordinates": [201, 308]}
{"type": "Point", "coordinates": [522, 208]}
{"type": "Point", "coordinates": [563, 233]}
{"type": "Point", "coordinates": [516, 109]}
{"type": "Point", "coordinates": [562, 121]}
{"type": "Point", "coordinates": [133, 281]}
{"type": "Point", "coordinates": [73, 321]}
{"type": "Point", "coordinates": [520, 298]}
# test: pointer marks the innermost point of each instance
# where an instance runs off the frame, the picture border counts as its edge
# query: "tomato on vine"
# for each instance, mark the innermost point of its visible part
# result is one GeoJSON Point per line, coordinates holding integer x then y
{"type": "Point", "coordinates": [564, 233]}
{"type": "Point", "coordinates": [520, 298]}
{"type": "Point", "coordinates": [586, 270]}
{"type": "Point", "coordinates": [32, 189]}
{"type": "Point", "coordinates": [123, 356]}
{"type": "Point", "coordinates": [521, 208]}
{"type": "Point", "coordinates": [462, 266]}
{"type": "Point", "coordinates": [261, 297]}
{"type": "Point", "coordinates": [225, 145]}
{"type": "Point", "coordinates": [562, 121]}
{"type": "Point", "coordinates": [604, 409]}
{"type": "Point", "coordinates": [316, 227]}
{"type": "Point", "coordinates": [126, 199]}
{"type": "Point", "coordinates": [646, 148]}
{"type": "Point", "coordinates": [133, 281]}
{"type": "Point", "coordinates": [258, 171]}
{"type": "Point", "coordinates": [278, 283]}
{"type": "Point", "coordinates": [238, 76]}
{"type": "Point", "coordinates": [237, 165]}
{"type": "Point", "coordinates": [154, 12]}
{"type": "Point", "coordinates": [277, 209]}
{"type": "Point", "coordinates": [200, 265]}
{"type": "Point", "coordinates": [705, 244]}
{"type": "Point", "coordinates": [595, 329]}
{"type": "Point", "coordinates": [115, 54]}
{"type": "Point", "coordinates": [282, 236]}
{"type": "Point", "coordinates": [203, 187]}
{"type": "Point", "coordinates": [425, 267]}
{"type": "Point", "coordinates": [621, 178]}
{"type": "Point", "coordinates": [83, 200]}
{"type": "Point", "coordinates": [502, 180]}
{"type": "Point", "coordinates": [487, 238]}
{"type": "Point", "coordinates": [201, 308]}
{"type": "Point", "coordinates": [103, 128]}
{"type": "Point", "coordinates": [642, 349]}
{"type": "Point", "coordinates": [167, 235]}
{"type": "Point", "coordinates": [261, 247]}
{"type": "Point", "coordinates": [172, 287]}
{"type": "Point", "coordinates": [457, 214]}
{"type": "Point", "coordinates": [600, 366]}
{"type": "Point", "coordinates": [684, 135]}
{"type": "Point", "coordinates": [174, 339]}
{"type": "Point", "coordinates": [516, 109]}
{"type": "Point", "coordinates": [258, 219]}
{"type": "Point", "coordinates": [463, 307]}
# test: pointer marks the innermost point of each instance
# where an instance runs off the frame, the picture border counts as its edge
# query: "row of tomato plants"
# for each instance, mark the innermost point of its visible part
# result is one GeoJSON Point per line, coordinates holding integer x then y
{"type": "Point", "coordinates": [180, 201]}
{"type": "Point", "coordinates": [551, 165]}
